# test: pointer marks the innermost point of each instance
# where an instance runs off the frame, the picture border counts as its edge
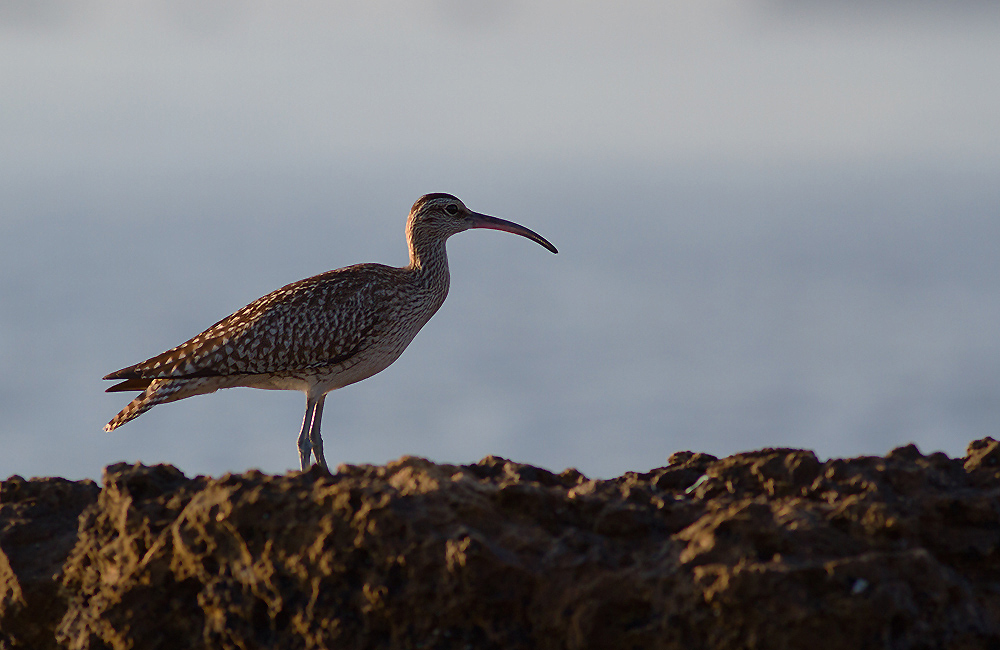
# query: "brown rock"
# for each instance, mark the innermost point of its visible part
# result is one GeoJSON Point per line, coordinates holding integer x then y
{"type": "Point", "coordinates": [767, 549]}
{"type": "Point", "coordinates": [38, 528]}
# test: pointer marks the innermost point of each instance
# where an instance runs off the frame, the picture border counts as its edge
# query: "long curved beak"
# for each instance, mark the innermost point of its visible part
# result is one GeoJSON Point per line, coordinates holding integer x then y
{"type": "Point", "coordinates": [485, 221]}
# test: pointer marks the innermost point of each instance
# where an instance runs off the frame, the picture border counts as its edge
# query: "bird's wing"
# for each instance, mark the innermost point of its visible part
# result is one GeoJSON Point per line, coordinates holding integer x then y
{"type": "Point", "coordinates": [322, 320]}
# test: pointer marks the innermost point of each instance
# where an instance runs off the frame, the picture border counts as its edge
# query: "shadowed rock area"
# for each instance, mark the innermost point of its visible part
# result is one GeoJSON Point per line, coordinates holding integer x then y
{"type": "Point", "coordinates": [768, 549]}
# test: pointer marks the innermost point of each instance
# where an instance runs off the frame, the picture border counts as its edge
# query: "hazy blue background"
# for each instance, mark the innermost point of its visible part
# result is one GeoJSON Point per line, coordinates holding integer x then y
{"type": "Point", "coordinates": [778, 223]}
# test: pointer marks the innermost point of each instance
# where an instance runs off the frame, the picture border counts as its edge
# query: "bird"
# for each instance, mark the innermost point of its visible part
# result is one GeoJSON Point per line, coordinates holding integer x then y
{"type": "Point", "coordinates": [318, 334]}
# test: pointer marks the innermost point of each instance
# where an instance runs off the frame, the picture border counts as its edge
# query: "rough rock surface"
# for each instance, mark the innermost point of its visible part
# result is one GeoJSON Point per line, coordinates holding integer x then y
{"type": "Point", "coordinates": [769, 549]}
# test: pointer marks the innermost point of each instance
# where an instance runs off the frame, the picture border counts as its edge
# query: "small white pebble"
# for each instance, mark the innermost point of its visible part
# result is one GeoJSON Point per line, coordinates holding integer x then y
{"type": "Point", "coordinates": [694, 486]}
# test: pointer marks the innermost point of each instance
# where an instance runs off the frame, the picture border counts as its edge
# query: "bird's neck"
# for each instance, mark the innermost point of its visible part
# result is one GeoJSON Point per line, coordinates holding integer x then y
{"type": "Point", "coordinates": [429, 263]}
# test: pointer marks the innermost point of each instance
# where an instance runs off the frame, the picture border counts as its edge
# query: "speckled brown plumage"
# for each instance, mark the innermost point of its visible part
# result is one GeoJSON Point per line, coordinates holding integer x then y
{"type": "Point", "coordinates": [317, 334]}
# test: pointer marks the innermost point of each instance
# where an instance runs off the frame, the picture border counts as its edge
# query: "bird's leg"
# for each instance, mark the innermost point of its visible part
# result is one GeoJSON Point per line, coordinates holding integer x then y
{"type": "Point", "coordinates": [305, 445]}
{"type": "Point", "coordinates": [315, 437]}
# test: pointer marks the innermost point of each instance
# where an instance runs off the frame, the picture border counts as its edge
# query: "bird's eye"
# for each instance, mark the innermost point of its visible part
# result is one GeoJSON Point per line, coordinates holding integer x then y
{"type": "Point", "coordinates": [451, 209]}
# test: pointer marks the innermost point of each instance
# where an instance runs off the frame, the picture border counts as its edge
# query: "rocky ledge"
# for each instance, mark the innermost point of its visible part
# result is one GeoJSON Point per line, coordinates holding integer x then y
{"type": "Point", "coordinates": [769, 549]}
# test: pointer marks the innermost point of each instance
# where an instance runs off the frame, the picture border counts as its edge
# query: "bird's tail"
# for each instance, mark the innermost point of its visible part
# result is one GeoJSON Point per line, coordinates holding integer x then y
{"type": "Point", "coordinates": [161, 391]}
{"type": "Point", "coordinates": [158, 392]}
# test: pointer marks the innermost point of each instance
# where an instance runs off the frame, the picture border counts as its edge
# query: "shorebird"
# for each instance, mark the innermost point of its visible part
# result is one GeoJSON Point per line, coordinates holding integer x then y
{"type": "Point", "coordinates": [317, 334]}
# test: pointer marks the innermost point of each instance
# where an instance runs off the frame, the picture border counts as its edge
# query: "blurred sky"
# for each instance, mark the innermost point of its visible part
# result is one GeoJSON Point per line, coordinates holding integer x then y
{"type": "Point", "coordinates": [777, 222]}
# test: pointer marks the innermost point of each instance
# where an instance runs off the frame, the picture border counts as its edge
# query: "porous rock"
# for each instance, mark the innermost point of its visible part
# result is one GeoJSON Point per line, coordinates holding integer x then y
{"type": "Point", "coordinates": [768, 549]}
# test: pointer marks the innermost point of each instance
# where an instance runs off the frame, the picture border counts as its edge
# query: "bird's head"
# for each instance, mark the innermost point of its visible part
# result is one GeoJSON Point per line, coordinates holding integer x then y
{"type": "Point", "coordinates": [439, 216]}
